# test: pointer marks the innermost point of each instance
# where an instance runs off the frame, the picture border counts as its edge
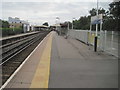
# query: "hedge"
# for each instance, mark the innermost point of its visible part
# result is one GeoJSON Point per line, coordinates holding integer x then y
{"type": "Point", "coordinates": [10, 31]}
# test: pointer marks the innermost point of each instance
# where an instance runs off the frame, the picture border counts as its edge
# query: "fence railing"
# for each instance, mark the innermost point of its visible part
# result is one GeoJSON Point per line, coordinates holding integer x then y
{"type": "Point", "coordinates": [107, 40]}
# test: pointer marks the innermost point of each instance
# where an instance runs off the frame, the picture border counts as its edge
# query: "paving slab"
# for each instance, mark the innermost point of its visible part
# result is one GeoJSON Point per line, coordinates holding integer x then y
{"type": "Point", "coordinates": [76, 65]}
{"type": "Point", "coordinates": [25, 75]}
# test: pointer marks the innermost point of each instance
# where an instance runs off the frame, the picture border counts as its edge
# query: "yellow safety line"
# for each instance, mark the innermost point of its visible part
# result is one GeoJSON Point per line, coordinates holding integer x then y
{"type": "Point", "coordinates": [41, 77]}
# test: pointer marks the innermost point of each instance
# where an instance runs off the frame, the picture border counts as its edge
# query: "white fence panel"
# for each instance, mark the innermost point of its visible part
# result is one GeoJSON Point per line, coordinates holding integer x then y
{"type": "Point", "coordinates": [107, 40]}
{"type": "Point", "coordinates": [81, 35]}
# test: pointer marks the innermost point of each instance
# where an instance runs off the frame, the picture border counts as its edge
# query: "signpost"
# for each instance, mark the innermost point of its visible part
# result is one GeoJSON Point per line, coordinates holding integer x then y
{"type": "Point", "coordinates": [96, 20]}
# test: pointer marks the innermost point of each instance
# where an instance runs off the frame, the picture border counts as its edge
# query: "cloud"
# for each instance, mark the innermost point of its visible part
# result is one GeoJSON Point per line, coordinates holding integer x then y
{"type": "Point", "coordinates": [39, 12]}
{"type": "Point", "coordinates": [58, 1]}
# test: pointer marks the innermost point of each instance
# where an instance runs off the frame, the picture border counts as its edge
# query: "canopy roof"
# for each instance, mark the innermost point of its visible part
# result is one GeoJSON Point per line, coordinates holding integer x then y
{"type": "Point", "coordinates": [54, 25]}
{"type": "Point", "coordinates": [42, 26]}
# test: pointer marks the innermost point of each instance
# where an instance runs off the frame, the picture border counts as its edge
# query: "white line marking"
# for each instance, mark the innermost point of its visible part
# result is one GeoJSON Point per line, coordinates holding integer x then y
{"type": "Point", "coordinates": [10, 78]}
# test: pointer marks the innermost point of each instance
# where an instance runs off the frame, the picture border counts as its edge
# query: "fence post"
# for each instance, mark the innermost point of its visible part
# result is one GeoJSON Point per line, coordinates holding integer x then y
{"type": "Point", "coordinates": [95, 43]}
{"type": "Point", "coordinates": [105, 40]}
{"type": "Point", "coordinates": [112, 41]}
{"type": "Point", "coordinates": [100, 42]}
{"type": "Point", "coordinates": [89, 36]}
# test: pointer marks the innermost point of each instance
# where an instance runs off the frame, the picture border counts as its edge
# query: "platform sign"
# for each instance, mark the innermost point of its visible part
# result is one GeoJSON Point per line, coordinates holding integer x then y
{"type": "Point", "coordinates": [96, 19]}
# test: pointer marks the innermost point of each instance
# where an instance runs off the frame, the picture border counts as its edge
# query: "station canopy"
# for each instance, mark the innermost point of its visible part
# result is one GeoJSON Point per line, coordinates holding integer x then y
{"type": "Point", "coordinates": [56, 25]}
{"type": "Point", "coordinates": [42, 26]}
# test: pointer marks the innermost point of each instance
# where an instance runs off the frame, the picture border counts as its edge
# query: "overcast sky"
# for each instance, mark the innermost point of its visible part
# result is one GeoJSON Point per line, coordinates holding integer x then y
{"type": "Point", "coordinates": [47, 10]}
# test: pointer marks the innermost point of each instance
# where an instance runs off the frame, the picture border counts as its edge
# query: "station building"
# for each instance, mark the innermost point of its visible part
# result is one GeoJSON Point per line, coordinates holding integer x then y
{"type": "Point", "coordinates": [17, 23]}
{"type": "Point", "coordinates": [40, 27]}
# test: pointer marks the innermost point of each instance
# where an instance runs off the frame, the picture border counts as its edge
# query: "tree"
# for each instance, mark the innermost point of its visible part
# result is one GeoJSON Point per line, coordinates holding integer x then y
{"type": "Point", "coordinates": [93, 12]}
{"type": "Point", "coordinates": [46, 24]}
{"type": "Point", "coordinates": [115, 9]}
{"type": "Point", "coordinates": [108, 22]}
{"type": "Point", "coordinates": [4, 24]}
{"type": "Point", "coordinates": [82, 23]}
{"type": "Point", "coordinates": [115, 12]}
{"type": "Point", "coordinates": [110, 18]}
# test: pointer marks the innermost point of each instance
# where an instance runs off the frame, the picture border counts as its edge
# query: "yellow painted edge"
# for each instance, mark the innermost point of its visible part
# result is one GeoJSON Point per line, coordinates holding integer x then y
{"type": "Point", "coordinates": [41, 77]}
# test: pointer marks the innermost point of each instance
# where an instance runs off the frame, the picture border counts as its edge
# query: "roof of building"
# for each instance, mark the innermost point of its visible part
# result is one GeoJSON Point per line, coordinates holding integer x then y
{"type": "Point", "coordinates": [56, 25]}
{"type": "Point", "coordinates": [41, 26]}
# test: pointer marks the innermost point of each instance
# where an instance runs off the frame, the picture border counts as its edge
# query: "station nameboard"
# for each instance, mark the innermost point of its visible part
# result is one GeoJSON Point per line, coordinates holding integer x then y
{"type": "Point", "coordinates": [96, 19]}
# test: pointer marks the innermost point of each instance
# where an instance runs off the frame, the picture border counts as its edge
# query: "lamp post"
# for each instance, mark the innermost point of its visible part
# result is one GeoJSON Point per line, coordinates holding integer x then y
{"type": "Point", "coordinates": [58, 22]}
{"type": "Point", "coordinates": [72, 23]}
{"type": "Point", "coordinates": [68, 25]}
{"type": "Point", "coordinates": [57, 19]}
{"type": "Point", "coordinates": [96, 35]}
{"type": "Point", "coordinates": [67, 30]}
{"type": "Point", "coordinates": [13, 27]}
{"type": "Point", "coordinates": [97, 24]}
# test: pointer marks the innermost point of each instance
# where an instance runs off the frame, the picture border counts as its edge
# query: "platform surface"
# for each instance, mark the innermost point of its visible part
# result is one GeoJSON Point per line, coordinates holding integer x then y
{"type": "Point", "coordinates": [66, 63]}
{"type": "Point", "coordinates": [74, 65]}
{"type": "Point", "coordinates": [18, 35]}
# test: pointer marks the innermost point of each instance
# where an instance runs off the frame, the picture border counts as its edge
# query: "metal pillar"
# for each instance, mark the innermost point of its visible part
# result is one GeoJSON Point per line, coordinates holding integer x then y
{"type": "Point", "coordinates": [96, 36]}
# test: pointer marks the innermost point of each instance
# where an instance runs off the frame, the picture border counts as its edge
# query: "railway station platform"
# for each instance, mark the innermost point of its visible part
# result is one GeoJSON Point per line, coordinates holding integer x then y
{"type": "Point", "coordinates": [13, 36]}
{"type": "Point", "coordinates": [65, 63]}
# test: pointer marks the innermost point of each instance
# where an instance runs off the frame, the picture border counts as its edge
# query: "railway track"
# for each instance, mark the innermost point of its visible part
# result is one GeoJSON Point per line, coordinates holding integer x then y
{"type": "Point", "coordinates": [12, 48]}
{"type": "Point", "coordinates": [15, 53]}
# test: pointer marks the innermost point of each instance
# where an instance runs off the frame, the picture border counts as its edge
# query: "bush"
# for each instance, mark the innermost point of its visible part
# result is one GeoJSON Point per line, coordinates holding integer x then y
{"type": "Point", "coordinates": [18, 30]}
{"type": "Point", "coordinates": [10, 31]}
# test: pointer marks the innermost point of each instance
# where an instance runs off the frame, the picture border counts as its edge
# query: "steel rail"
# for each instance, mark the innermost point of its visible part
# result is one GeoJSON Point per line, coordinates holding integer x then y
{"type": "Point", "coordinates": [20, 48]}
